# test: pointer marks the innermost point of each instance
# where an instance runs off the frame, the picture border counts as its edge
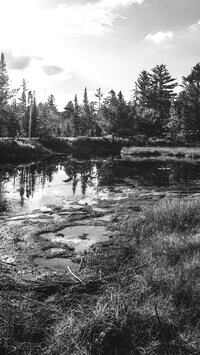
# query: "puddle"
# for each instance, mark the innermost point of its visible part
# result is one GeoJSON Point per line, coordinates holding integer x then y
{"type": "Point", "coordinates": [106, 218]}
{"type": "Point", "coordinates": [57, 263]}
{"type": "Point", "coordinates": [78, 237]}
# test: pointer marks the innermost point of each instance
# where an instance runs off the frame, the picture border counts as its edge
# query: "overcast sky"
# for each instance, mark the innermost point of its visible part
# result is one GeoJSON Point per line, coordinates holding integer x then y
{"type": "Point", "coordinates": [62, 46]}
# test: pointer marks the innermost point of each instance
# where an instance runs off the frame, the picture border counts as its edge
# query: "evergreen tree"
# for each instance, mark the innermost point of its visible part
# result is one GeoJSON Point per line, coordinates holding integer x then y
{"type": "Point", "coordinates": [143, 90]}
{"type": "Point", "coordinates": [34, 128]}
{"type": "Point", "coordinates": [68, 120]}
{"type": "Point", "coordinates": [48, 118]}
{"type": "Point", "coordinates": [22, 109]}
{"type": "Point", "coordinates": [43, 120]}
{"type": "Point", "coordinates": [51, 103]}
{"type": "Point", "coordinates": [190, 98]}
{"type": "Point", "coordinates": [86, 115]}
{"type": "Point", "coordinates": [4, 96]}
{"type": "Point", "coordinates": [162, 93]}
{"type": "Point", "coordinates": [77, 113]}
{"type": "Point", "coordinates": [108, 114]}
{"type": "Point", "coordinates": [99, 95]}
{"type": "Point", "coordinates": [145, 121]}
{"type": "Point", "coordinates": [174, 127]}
{"type": "Point", "coordinates": [124, 118]}
{"type": "Point", "coordinates": [53, 121]}
{"type": "Point", "coordinates": [4, 83]}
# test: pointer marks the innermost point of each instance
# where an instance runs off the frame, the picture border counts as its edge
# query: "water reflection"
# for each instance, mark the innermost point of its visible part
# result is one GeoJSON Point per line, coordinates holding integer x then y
{"type": "Point", "coordinates": [54, 181]}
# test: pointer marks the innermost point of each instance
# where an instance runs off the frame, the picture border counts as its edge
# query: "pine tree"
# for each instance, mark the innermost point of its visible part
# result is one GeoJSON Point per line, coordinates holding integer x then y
{"type": "Point", "coordinates": [108, 114]}
{"type": "Point", "coordinates": [68, 119]}
{"type": "Point", "coordinates": [86, 115]}
{"type": "Point", "coordinates": [4, 96]}
{"type": "Point", "coordinates": [191, 101]}
{"type": "Point", "coordinates": [4, 83]}
{"type": "Point", "coordinates": [162, 93]}
{"type": "Point", "coordinates": [99, 95]}
{"type": "Point", "coordinates": [34, 128]}
{"type": "Point", "coordinates": [174, 126]}
{"type": "Point", "coordinates": [53, 121]}
{"type": "Point", "coordinates": [142, 92]}
{"type": "Point", "coordinates": [22, 108]}
{"type": "Point", "coordinates": [77, 113]}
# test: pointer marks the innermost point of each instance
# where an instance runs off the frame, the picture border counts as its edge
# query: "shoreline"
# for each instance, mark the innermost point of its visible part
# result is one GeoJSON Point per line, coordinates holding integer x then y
{"type": "Point", "coordinates": [19, 149]}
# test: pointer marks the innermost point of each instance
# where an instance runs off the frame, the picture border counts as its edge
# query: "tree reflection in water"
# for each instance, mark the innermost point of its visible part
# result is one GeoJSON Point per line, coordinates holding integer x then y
{"type": "Point", "coordinates": [83, 171]}
{"type": "Point", "coordinates": [177, 175]}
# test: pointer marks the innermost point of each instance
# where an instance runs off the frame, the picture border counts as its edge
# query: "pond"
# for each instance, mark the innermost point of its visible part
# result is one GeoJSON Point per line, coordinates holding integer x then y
{"type": "Point", "coordinates": [62, 181]}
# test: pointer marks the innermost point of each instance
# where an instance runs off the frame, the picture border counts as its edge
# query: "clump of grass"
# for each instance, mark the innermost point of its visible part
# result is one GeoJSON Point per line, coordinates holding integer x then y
{"type": "Point", "coordinates": [168, 216]}
{"type": "Point", "coordinates": [116, 324]}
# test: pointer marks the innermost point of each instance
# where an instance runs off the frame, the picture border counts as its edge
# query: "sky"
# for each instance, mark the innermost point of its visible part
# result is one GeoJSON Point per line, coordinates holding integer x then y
{"type": "Point", "coordinates": [62, 46]}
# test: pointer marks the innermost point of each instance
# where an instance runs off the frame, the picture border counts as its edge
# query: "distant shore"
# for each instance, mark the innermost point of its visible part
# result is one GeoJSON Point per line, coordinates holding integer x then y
{"type": "Point", "coordinates": [23, 148]}
{"type": "Point", "coordinates": [13, 149]}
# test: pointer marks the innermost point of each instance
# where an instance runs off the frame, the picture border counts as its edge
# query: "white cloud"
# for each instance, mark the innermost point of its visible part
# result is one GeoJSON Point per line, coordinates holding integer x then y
{"type": "Point", "coordinates": [116, 3]}
{"type": "Point", "coordinates": [195, 27]}
{"type": "Point", "coordinates": [83, 20]}
{"type": "Point", "coordinates": [47, 32]}
{"type": "Point", "coordinates": [33, 29]}
{"type": "Point", "coordinates": [159, 37]}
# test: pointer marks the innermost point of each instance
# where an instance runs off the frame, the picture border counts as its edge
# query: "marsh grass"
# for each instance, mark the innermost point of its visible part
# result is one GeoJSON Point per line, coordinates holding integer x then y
{"type": "Point", "coordinates": [177, 152]}
{"type": "Point", "coordinates": [143, 296]}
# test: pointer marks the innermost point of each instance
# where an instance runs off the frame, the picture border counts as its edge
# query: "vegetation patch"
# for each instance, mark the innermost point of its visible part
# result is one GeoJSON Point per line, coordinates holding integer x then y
{"type": "Point", "coordinates": [177, 152]}
{"type": "Point", "coordinates": [85, 146]}
{"type": "Point", "coordinates": [16, 149]}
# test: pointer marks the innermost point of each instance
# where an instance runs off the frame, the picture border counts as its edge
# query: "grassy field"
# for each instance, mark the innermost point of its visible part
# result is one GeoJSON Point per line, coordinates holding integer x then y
{"type": "Point", "coordinates": [139, 293]}
{"type": "Point", "coordinates": [178, 152]}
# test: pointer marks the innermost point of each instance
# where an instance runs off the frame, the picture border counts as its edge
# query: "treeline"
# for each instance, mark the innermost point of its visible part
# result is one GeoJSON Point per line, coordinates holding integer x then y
{"type": "Point", "coordinates": [156, 110]}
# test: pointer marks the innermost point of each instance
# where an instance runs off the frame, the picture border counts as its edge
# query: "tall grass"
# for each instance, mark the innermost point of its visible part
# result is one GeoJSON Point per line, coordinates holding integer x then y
{"type": "Point", "coordinates": [168, 216]}
{"type": "Point", "coordinates": [178, 152]}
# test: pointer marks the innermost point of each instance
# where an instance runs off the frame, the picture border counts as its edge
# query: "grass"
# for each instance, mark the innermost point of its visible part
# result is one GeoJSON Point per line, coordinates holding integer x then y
{"type": "Point", "coordinates": [141, 293]}
{"type": "Point", "coordinates": [178, 152]}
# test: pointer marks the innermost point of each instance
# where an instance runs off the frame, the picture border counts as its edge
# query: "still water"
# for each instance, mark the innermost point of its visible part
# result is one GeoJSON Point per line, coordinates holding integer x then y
{"type": "Point", "coordinates": [58, 182]}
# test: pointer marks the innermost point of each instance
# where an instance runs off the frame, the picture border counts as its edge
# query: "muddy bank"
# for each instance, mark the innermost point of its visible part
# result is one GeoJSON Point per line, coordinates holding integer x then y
{"type": "Point", "coordinates": [52, 239]}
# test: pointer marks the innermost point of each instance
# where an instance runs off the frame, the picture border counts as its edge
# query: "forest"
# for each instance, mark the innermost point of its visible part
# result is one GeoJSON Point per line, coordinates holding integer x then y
{"type": "Point", "coordinates": [160, 108]}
